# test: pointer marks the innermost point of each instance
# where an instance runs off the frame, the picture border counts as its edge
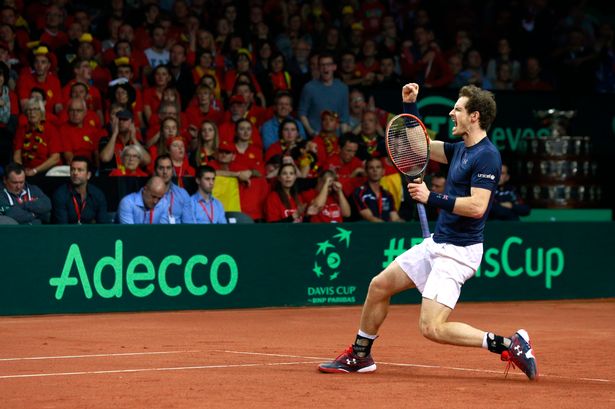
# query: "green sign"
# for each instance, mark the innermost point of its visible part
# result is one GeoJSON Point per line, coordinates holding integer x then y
{"type": "Point", "coordinates": [64, 269]}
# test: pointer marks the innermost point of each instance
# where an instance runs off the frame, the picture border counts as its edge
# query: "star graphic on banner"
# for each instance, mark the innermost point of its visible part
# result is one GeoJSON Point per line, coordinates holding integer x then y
{"type": "Point", "coordinates": [343, 235]}
{"type": "Point", "coordinates": [323, 246]}
{"type": "Point", "coordinates": [318, 270]}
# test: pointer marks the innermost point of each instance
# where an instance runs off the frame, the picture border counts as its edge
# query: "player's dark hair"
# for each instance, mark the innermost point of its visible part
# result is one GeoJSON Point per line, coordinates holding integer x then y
{"type": "Point", "coordinates": [481, 101]}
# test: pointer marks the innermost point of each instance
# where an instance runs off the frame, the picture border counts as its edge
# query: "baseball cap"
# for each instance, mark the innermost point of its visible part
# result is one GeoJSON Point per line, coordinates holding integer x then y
{"type": "Point", "coordinates": [86, 38]}
{"type": "Point", "coordinates": [329, 113]}
{"type": "Point", "coordinates": [226, 146]}
{"type": "Point", "coordinates": [124, 114]}
{"type": "Point", "coordinates": [237, 99]}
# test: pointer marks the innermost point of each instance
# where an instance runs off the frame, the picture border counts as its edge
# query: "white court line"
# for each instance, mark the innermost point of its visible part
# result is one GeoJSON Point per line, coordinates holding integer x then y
{"type": "Point", "coordinates": [28, 358]}
{"type": "Point", "coordinates": [177, 368]}
{"type": "Point", "coordinates": [452, 368]}
{"type": "Point", "coordinates": [311, 358]}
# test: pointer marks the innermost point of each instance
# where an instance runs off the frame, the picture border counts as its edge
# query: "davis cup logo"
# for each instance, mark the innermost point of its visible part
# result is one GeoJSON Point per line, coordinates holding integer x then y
{"type": "Point", "coordinates": [327, 268]}
{"type": "Point", "coordinates": [327, 258]}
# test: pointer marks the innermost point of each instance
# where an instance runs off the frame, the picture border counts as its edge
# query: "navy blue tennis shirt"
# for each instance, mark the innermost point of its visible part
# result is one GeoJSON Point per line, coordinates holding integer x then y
{"type": "Point", "coordinates": [477, 166]}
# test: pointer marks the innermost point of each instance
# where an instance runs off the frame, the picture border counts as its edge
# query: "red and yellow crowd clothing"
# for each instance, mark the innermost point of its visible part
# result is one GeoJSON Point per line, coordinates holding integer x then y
{"type": "Point", "coordinates": [196, 116]}
{"type": "Point", "coordinates": [54, 41]}
{"type": "Point", "coordinates": [151, 98]}
{"type": "Point", "coordinates": [330, 213]}
{"type": "Point", "coordinates": [122, 171]}
{"type": "Point", "coordinates": [81, 141]}
{"type": "Point", "coordinates": [93, 99]}
{"type": "Point", "coordinates": [280, 81]}
{"type": "Point", "coordinates": [277, 148]}
{"type": "Point", "coordinates": [275, 210]}
{"type": "Point", "coordinates": [251, 159]}
{"type": "Point", "coordinates": [154, 127]}
{"type": "Point", "coordinates": [344, 172]}
{"type": "Point", "coordinates": [182, 171]}
{"type": "Point", "coordinates": [51, 86]}
{"type": "Point", "coordinates": [226, 131]}
{"type": "Point", "coordinates": [253, 197]}
{"type": "Point", "coordinates": [37, 144]}
{"type": "Point", "coordinates": [119, 146]}
{"type": "Point", "coordinates": [91, 119]}
{"type": "Point", "coordinates": [231, 76]}
{"type": "Point", "coordinates": [328, 145]}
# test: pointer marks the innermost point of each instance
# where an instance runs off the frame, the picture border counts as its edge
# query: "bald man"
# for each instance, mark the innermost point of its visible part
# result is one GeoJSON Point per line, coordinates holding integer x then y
{"type": "Point", "coordinates": [147, 206]}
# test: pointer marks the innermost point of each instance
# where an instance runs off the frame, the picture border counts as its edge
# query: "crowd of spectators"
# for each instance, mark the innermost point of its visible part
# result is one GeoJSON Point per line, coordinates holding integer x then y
{"type": "Point", "coordinates": [276, 96]}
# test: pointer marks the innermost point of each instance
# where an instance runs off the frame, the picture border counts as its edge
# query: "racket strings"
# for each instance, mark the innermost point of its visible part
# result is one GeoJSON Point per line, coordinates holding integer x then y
{"type": "Point", "coordinates": [408, 146]}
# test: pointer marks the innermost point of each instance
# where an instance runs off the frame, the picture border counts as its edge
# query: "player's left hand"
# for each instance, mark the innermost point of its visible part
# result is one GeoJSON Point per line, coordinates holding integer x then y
{"type": "Point", "coordinates": [410, 92]}
{"type": "Point", "coordinates": [418, 191]}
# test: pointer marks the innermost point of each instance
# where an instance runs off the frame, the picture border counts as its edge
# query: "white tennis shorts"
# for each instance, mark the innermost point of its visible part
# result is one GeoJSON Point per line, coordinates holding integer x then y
{"type": "Point", "coordinates": [440, 269]}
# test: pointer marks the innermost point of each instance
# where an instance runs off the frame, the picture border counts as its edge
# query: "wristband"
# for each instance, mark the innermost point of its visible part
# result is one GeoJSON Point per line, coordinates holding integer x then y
{"type": "Point", "coordinates": [442, 201]}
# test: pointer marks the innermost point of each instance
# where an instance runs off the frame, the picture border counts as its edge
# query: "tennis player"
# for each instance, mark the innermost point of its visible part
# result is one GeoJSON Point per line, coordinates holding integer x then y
{"type": "Point", "coordinates": [441, 264]}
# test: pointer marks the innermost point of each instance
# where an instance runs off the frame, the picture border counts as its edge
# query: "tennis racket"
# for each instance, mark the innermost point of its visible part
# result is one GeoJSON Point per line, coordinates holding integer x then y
{"type": "Point", "coordinates": [407, 143]}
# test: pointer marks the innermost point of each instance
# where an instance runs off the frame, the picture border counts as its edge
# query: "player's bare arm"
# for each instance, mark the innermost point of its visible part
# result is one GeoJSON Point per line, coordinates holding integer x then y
{"type": "Point", "coordinates": [436, 151]}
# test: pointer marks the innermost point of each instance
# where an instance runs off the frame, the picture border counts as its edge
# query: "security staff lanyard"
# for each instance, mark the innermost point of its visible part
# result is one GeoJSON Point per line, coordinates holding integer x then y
{"type": "Point", "coordinates": [211, 209]}
{"type": "Point", "coordinates": [78, 210]}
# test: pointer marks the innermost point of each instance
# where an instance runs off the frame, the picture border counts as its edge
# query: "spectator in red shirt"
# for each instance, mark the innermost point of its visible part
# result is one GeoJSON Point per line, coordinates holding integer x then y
{"type": "Point", "coordinates": [248, 156]}
{"type": "Point", "coordinates": [326, 202]}
{"type": "Point", "coordinates": [80, 91]}
{"type": "Point", "coordinates": [131, 156]}
{"type": "Point", "coordinates": [207, 142]}
{"type": "Point", "coordinates": [167, 110]}
{"type": "Point", "coordinates": [124, 95]}
{"type": "Point", "coordinates": [152, 96]}
{"type": "Point", "coordinates": [288, 136]}
{"type": "Point", "coordinates": [283, 204]}
{"type": "Point", "coordinates": [123, 133]}
{"type": "Point", "coordinates": [83, 74]}
{"type": "Point", "coordinates": [326, 140]}
{"type": "Point", "coordinates": [177, 152]}
{"type": "Point", "coordinates": [53, 35]}
{"type": "Point", "coordinates": [40, 77]}
{"type": "Point", "coordinates": [78, 137]}
{"type": "Point", "coordinates": [256, 114]}
{"type": "Point", "coordinates": [169, 128]}
{"type": "Point", "coordinates": [237, 110]}
{"type": "Point", "coordinates": [101, 76]}
{"type": "Point", "coordinates": [243, 65]}
{"type": "Point", "coordinates": [202, 109]}
{"type": "Point", "coordinates": [37, 145]}
{"type": "Point", "coordinates": [346, 165]}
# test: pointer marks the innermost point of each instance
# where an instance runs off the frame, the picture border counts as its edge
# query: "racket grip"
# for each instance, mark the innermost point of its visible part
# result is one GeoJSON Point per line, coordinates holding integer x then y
{"type": "Point", "coordinates": [423, 219]}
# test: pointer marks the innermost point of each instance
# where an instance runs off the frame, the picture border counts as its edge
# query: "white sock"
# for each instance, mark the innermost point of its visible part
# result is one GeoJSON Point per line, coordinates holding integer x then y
{"type": "Point", "coordinates": [365, 335]}
{"type": "Point", "coordinates": [485, 340]}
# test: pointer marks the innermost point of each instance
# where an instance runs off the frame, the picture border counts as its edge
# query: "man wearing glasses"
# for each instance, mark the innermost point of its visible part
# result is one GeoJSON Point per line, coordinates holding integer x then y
{"type": "Point", "coordinates": [322, 94]}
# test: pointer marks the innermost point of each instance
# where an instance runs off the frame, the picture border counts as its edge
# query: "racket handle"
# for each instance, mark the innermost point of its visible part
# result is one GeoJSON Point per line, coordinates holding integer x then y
{"type": "Point", "coordinates": [423, 219]}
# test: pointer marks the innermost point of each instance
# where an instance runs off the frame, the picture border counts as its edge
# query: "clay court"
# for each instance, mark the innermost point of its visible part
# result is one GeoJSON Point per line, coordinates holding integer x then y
{"type": "Point", "coordinates": [266, 358]}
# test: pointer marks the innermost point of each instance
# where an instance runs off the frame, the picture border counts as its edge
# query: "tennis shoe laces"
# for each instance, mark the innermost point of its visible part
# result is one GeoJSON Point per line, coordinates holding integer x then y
{"type": "Point", "coordinates": [348, 362]}
{"type": "Point", "coordinates": [520, 355]}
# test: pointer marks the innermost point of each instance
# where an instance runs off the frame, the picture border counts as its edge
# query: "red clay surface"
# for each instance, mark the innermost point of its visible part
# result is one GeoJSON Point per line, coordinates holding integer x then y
{"type": "Point", "coordinates": [267, 358]}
